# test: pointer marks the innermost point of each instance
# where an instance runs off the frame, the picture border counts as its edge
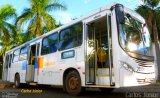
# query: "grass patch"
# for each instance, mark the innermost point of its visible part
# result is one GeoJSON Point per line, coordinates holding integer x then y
{"type": "Point", "coordinates": [158, 81]}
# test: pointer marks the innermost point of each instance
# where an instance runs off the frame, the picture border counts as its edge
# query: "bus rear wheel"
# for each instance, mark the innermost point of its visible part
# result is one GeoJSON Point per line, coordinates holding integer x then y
{"type": "Point", "coordinates": [73, 83]}
{"type": "Point", "coordinates": [17, 81]}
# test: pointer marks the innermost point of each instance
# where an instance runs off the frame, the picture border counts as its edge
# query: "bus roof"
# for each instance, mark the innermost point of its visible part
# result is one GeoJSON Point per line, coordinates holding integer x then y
{"type": "Point", "coordinates": [26, 43]}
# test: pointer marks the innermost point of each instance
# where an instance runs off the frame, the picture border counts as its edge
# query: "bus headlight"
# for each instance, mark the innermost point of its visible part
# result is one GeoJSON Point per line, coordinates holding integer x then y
{"type": "Point", "coordinates": [127, 67]}
{"type": "Point", "coordinates": [132, 46]}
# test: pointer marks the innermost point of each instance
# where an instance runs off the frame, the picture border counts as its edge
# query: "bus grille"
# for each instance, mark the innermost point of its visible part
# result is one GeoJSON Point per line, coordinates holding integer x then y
{"type": "Point", "coordinates": [144, 63]}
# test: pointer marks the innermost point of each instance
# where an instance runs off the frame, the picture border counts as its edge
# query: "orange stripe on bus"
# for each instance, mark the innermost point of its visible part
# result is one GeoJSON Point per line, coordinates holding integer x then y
{"type": "Point", "coordinates": [40, 63]}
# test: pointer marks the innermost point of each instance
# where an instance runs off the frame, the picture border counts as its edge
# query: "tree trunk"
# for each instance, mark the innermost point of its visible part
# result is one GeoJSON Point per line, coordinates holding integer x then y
{"type": "Point", "coordinates": [157, 49]}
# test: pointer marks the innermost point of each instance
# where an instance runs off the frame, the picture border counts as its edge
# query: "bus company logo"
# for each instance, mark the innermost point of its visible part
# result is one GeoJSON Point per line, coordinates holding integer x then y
{"type": "Point", "coordinates": [9, 95]}
{"type": "Point", "coordinates": [50, 63]}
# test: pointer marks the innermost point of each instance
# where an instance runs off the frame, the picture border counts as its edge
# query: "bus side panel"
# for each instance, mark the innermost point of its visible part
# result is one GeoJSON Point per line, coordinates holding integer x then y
{"type": "Point", "coordinates": [77, 63]}
{"type": "Point", "coordinates": [13, 70]}
{"type": "Point", "coordinates": [20, 68]}
{"type": "Point", "coordinates": [51, 67]}
{"type": "Point", "coordinates": [48, 72]}
{"type": "Point", "coordinates": [78, 66]}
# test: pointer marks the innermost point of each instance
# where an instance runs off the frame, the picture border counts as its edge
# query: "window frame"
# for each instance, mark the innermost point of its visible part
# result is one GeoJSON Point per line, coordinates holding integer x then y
{"type": "Point", "coordinates": [70, 56]}
{"type": "Point", "coordinates": [23, 53]}
{"type": "Point", "coordinates": [13, 61]}
{"type": "Point", "coordinates": [45, 39]}
{"type": "Point", "coordinates": [6, 60]}
{"type": "Point", "coordinates": [73, 25]}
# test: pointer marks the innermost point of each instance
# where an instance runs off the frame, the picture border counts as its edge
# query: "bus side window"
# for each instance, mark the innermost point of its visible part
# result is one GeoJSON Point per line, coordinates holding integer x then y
{"type": "Point", "coordinates": [23, 53]}
{"type": "Point", "coordinates": [71, 37]}
{"type": "Point", "coordinates": [38, 45]}
{"type": "Point", "coordinates": [10, 60]}
{"type": "Point", "coordinates": [6, 61]}
{"type": "Point", "coordinates": [50, 44]}
{"type": "Point", "coordinates": [16, 55]}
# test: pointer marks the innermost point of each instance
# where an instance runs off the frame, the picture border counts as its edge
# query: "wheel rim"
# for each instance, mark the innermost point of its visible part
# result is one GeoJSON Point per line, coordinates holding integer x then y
{"type": "Point", "coordinates": [16, 82]}
{"type": "Point", "coordinates": [73, 83]}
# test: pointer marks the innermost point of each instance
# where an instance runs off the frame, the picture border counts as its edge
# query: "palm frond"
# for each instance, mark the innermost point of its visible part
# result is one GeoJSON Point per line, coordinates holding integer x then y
{"type": "Point", "coordinates": [55, 5]}
{"type": "Point", "coordinates": [143, 10]}
{"type": "Point", "coordinates": [7, 12]}
{"type": "Point", "coordinates": [10, 27]}
{"type": "Point", "coordinates": [25, 16]}
{"type": "Point", "coordinates": [38, 18]}
{"type": "Point", "coordinates": [49, 21]}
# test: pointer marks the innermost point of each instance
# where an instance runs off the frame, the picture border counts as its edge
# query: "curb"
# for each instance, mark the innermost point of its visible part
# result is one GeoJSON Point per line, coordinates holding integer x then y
{"type": "Point", "coordinates": [2, 86]}
{"type": "Point", "coordinates": [5, 84]}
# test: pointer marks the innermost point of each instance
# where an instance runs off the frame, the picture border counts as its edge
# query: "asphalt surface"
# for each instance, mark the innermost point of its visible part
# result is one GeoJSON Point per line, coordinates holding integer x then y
{"type": "Point", "coordinates": [150, 91]}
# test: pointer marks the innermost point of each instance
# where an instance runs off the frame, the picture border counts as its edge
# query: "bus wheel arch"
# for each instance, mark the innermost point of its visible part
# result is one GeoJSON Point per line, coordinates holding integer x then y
{"type": "Point", "coordinates": [72, 83]}
{"type": "Point", "coordinates": [17, 80]}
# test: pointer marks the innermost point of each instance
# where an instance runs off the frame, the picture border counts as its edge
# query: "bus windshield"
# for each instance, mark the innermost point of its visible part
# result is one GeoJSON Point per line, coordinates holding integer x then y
{"type": "Point", "coordinates": [134, 36]}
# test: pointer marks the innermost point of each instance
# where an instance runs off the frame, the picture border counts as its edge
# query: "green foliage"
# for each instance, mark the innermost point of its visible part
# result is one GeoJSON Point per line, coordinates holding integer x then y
{"type": "Point", "coordinates": [150, 10]}
{"type": "Point", "coordinates": [151, 3]}
{"type": "Point", "coordinates": [7, 30]}
{"type": "Point", "coordinates": [37, 16]}
{"type": "Point", "coordinates": [6, 12]}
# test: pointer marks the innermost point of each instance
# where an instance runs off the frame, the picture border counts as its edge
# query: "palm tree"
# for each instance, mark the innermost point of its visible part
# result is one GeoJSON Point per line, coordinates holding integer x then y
{"type": "Point", "coordinates": [37, 16]}
{"type": "Point", "coordinates": [6, 29]}
{"type": "Point", "coordinates": [150, 10]}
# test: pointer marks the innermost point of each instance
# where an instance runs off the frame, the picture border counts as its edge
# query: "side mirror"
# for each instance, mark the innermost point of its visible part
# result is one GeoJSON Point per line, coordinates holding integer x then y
{"type": "Point", "coordinates": [120, 13]}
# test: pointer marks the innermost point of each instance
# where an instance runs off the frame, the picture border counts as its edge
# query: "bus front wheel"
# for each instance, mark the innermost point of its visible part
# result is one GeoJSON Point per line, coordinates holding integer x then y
{"type": "Point", "coordinates": [73, 83]}
{"type": "Point", "coordinates": [17, 81]}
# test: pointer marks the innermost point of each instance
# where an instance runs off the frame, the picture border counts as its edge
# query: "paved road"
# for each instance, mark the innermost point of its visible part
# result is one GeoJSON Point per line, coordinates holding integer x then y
{"type": "Point", "coordinates": [152, 91]}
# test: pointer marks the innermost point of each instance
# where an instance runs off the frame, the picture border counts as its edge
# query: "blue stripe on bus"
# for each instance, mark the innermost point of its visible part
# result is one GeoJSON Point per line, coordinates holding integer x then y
{"type": "Point", "coordinates": [35, 64]}
{"type": "Point", "coordinates": [24, 65]}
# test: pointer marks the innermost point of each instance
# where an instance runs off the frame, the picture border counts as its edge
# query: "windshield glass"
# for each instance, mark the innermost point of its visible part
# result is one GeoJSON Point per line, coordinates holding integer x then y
{"type": "Point", "coordinates": [134, 36]}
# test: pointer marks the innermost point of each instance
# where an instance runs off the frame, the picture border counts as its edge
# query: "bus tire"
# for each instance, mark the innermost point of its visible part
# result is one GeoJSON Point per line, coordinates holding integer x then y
{"type": "Point", "coordinates": [17, 81]}
{"type": "Point", "coordinates": [73, 83]}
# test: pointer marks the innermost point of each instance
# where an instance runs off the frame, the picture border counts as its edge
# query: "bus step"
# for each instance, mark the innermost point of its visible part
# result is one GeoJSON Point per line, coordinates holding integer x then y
{"type": "Point", "coordinates": [33, 83]}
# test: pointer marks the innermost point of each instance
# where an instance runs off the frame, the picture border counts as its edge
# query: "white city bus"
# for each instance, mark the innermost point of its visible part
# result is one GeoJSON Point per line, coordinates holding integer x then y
{"type": "Point", "coordinates": [108, 48]}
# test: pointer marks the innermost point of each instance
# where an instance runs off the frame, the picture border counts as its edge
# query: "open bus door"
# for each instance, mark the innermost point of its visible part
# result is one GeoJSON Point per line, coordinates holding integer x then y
{"type": "Point", "coordinates": [31, 75]}
{"type": "Point", "coordinates": [99, 65]}
{"type": "Point", "coordinates": [6, 66]}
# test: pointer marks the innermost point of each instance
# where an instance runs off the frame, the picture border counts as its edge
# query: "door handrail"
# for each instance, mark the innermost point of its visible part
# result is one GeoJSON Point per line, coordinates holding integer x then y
{"type": "Point", "coordinates": [92, 52]}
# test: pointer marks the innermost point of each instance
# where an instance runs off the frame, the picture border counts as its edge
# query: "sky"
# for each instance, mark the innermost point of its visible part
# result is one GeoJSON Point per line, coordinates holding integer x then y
{"type": "Point", "coordinates": [75, 8]}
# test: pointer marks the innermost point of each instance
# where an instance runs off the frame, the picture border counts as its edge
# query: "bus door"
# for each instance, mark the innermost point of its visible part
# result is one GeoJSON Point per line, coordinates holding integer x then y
{"type": "Point", "coordinates": [98, 48]}
{"type": "Point", "coordinates": [91, 54]}
{"type": "Point", "coordinates": [32, 63]}
{"type": "Point", "coordinates": [6, 67]}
